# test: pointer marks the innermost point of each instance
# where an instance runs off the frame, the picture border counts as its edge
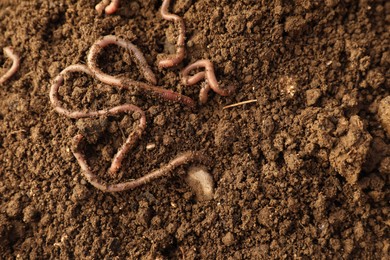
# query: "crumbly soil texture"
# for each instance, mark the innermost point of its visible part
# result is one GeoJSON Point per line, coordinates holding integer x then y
{"type": "Point", "coordinates": [302, 172]}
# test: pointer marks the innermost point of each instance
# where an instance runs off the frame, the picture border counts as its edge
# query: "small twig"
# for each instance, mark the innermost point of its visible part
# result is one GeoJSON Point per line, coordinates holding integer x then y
{"type": "Point", "coordinates": [9, 52]}
{"type": "Point", "coordinates": [182, 159]}
{"type": "Point", "coordinates": [173, 60]}
{"type": "Point", "coordinates": [240, 103]}
{"type": "Point", "coordinates": [209, 75]}
{"type": "Point", "coordinates": [127, 83]}
{"type": "Point", "coordinates": [108, 6]}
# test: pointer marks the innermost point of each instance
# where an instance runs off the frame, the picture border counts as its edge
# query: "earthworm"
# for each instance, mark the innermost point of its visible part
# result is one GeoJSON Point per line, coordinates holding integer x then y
{"type": "Point", "coordinates": [209, 75]}
{"type": "Point", "coordinates": [162, 93]}
{"type": "Point", "coordinates": [127, 83]}
{"type": "Point", "coordinates": [109, 8]}
{"type": "Point", "coordinates": [130, 141]}
{"type": "Point", "coordinates": [173, 60]}
{"type": "Point", "coordinates": [139, 58]}
{"type": "Point", "coordinates": [132, 138]}
{"type": "Point", "coordinates": [182, 159]}
{"type": "Point", "coordinates": [192, 80]}
{"type": "Point", "coordinates": [9, 52]}
{"type": "Point", "coordinates": [93, 70]}
{"type": "Point", "coordinates": [57, 83]}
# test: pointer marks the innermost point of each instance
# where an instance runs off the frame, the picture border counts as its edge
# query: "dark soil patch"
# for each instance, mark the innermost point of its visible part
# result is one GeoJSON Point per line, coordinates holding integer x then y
{"type": "Point", "coordinates": [303, 172]}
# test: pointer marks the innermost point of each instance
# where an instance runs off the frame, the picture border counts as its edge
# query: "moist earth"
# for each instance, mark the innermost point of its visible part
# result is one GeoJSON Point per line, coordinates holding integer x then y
{"type": "Point", "coordinates": [303, 172]}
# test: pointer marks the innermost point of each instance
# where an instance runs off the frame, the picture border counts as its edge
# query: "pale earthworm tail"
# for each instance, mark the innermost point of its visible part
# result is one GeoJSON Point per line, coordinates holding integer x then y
{"type": "Point", "coordinates": [9, 52]}
{"type": "Point", "coordinates": [182, 159]}
{"type": "Point", "coordinates": [109, 8]}
{"type": "Point", "coordinates": [209, 75]}
{"type": "Point", "coordinates": [173, 60]}
{"type": "Point", "coordinates": [127, 83]}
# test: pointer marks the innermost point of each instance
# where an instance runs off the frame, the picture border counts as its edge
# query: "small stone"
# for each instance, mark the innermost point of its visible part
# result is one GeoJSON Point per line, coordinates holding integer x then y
{"type": "Point", "coordinates": [228, 239]}
{"type": "Point", "coordinates": [80, 192]}
{"type": "Point", "coordinates": [144, 216]}
{"type": "Point", "coordinates": [29, 214]}
{"type": "Point", "coordinates": [201, 183]}
{"type": "Point", "coordinates": [14, 208]}
{"type": "Point", "coordinates": [267, 126]}
{"type": "Point", "coordinates": [312, 96]}
{"type": "Point", "coordinates": [150, 146]}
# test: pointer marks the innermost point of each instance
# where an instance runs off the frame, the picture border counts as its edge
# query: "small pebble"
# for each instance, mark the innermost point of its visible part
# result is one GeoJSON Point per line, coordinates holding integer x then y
{"type": "Point", "coordinates": [228, 239]}
{"type": "Point", "coordinates": [29, 214]}
{"type": "Point", "coordinates": [201, 182]}
{"type": "Point", "coordinates": [150, 146]}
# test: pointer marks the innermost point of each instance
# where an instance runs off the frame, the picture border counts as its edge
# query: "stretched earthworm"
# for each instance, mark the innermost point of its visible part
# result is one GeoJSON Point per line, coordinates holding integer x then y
{"type": "Point", "coordinates": [173, 60]}
{"type": "Point", "coordinates": [182, 159]}
{"type": "Point", "coordinates": [109, 8]}
{"type": "Point", "coordinates": [159, 92]}
{"type": "Point", "coordinates": [98, 46]}
{"type": "Point", "coordinates": [9, 52]}
{"type": "Point", "coordinates": [209, 75]}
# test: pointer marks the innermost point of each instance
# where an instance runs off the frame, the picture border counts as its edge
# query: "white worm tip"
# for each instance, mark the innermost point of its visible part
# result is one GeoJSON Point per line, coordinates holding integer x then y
{"type": "Point", "coordinates": [201, 182]}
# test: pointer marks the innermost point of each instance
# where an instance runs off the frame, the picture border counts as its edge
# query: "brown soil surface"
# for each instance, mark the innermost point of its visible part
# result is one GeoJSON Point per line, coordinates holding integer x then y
{"type": "Point", "coordinates": [301, 173]}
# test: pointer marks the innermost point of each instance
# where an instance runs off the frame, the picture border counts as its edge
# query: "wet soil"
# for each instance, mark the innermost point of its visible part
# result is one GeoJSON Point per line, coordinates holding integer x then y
{"type": "Point", "coordinates": [301, 173]}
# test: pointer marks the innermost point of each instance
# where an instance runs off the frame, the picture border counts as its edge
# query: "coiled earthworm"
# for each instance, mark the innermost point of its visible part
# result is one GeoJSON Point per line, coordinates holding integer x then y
{"type": "Point", "coordinates": [209, 75]}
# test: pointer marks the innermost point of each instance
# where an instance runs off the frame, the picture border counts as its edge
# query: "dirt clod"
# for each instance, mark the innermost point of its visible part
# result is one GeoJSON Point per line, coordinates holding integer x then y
{"type": "Point", "coordinates": [351, 151]}
{"type": "Point", "coordinates": [384, 114]}
{"type": "Point", "coordinates": [228, 239]}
